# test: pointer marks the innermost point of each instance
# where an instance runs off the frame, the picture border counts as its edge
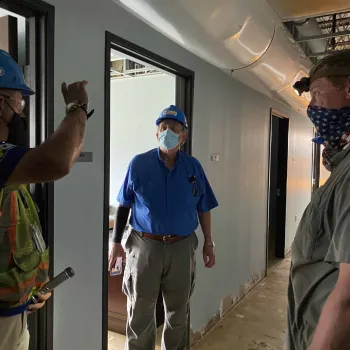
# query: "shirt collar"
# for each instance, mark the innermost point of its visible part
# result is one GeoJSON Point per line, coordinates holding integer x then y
{"type": "Point", "coordinates": [160, 157]}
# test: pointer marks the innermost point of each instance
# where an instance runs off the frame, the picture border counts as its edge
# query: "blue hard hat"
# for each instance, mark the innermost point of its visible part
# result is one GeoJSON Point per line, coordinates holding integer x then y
{"type": "Point", "coordinates": [11, 75]}
{"type": "Point", "coordinates": [172, 112]}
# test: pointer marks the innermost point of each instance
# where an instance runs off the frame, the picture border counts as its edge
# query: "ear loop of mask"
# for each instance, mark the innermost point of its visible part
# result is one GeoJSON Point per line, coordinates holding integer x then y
{"type": "Point", "coordinates": [16, 115]}
{"type": "Point", "coordinates": [2, 117]}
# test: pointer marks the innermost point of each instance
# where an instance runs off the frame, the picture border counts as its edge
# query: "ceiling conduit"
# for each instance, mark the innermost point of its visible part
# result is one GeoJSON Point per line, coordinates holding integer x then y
{"type": "Point", "coordinates": [245, 38]}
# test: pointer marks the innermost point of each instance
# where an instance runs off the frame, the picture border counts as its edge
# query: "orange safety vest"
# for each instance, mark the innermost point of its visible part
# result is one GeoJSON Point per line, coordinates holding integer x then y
{"type": "Point", "coordinates": [23, 267]}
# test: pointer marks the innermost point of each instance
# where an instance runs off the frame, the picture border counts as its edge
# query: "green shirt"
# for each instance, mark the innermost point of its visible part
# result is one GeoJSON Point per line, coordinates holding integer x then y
{"type": "Point", "coordinates": [321, 243]}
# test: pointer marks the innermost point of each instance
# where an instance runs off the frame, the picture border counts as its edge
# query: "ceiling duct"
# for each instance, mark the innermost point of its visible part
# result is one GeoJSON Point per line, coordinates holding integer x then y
{"type": "Point", "coordinates": [245, 38]}
{"type": "Point", "coordinates": [310, 27]}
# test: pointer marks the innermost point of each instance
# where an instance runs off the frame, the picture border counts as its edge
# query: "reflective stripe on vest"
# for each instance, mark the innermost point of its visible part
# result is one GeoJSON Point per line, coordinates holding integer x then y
{"type": "Point", "coordinates": [23, 269]}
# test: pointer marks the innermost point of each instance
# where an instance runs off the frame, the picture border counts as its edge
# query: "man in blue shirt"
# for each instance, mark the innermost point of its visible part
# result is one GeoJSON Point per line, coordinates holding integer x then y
{"type": "Point", "coordinates": [167, 192]}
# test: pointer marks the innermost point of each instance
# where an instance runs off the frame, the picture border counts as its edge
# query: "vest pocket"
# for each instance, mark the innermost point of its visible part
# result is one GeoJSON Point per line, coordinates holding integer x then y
{"type": "Point", "coordinates": [19, 282]}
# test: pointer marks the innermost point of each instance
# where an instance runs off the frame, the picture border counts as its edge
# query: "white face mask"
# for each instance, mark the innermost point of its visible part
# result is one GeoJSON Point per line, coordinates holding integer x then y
{"type": "Point", "coordinates": [169, 139]}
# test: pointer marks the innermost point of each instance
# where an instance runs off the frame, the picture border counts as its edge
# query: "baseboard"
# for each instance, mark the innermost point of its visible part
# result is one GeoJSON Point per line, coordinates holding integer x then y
{"type": "Point", "coordinates": [227, 303]}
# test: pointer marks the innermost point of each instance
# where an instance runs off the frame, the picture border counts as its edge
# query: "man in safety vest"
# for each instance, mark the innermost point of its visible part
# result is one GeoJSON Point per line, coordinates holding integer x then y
{"type": "Point", "coordinates": [23, 255]}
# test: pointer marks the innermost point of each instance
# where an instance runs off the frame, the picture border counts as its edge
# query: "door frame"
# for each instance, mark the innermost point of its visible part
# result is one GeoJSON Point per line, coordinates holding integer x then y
{"type": "Point", "coordinates": [316, 165]}
{"type": "Point", "coordinates": [184, 88]}
{"type": "Point", "coordinates": [44, 14]}
{"type": "Point", "coordinates": [273, 113]}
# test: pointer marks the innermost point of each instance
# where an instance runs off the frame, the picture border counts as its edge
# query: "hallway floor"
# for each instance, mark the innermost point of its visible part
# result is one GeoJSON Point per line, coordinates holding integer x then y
{"type": "Point", "coordinates": [258, 322]}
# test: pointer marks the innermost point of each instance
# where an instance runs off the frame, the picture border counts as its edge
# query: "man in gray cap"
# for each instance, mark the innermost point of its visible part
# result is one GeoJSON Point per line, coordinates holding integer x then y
{"type": "Point", "coordinates": [319, 284]}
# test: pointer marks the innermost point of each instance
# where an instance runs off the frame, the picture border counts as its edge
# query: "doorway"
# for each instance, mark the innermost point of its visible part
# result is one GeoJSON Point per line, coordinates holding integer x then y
{"type": "Point", "coordinates": [27, 33]}
{"type": "Point", "coordinates": [319, 173]}
{"type": "Point", "coordinates": [316, 164]}
{"type": "Point", "coordinates": [279, 130]}
{"type": "Point", "coordinates": [144, 84]}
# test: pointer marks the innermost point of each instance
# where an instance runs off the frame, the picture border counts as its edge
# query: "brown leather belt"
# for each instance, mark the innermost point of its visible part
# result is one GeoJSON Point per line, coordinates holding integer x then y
{"type": "Point", "coordinates": [164, 239]}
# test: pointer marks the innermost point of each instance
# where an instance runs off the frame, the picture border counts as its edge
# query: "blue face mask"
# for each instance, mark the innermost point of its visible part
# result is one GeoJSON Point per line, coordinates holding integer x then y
{"type": "Point", "coordinates": [331, 124]}
{"type": "Point", "coordinates": [168, 139]}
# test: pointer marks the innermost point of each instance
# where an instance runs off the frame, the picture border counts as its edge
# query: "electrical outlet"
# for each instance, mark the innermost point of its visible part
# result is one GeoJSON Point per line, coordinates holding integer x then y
{"type": "Point", "coordinates": [215, 158]}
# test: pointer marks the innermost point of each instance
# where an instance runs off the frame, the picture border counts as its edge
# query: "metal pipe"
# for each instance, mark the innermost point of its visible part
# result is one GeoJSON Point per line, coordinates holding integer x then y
{"type": "Point", "coordinates": [339, 22]}
{"type": "Point", "coordinates": [342, 43]}
{"type": "Point", "coordinates": [325, 53]}
{"type": "Point", "coordinates": [323, 36]}
{"type": "Point", "coordinates": [310, 27]}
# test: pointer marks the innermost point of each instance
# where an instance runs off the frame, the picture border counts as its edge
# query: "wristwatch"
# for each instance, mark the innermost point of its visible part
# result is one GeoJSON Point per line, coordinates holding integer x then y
{"type": "Point", "coordinates": [211, 244]}
{"type": "Point", "coordinates": [73, 106]}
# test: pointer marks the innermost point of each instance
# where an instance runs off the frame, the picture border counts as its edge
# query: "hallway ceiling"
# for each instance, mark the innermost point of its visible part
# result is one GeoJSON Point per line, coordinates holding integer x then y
{"type": "Point", "coordinates": [289, 10]}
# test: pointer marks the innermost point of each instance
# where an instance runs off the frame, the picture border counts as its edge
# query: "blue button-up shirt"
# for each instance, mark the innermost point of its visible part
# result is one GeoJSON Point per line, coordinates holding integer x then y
{"type": "Point", "coordinates": [163, 201]}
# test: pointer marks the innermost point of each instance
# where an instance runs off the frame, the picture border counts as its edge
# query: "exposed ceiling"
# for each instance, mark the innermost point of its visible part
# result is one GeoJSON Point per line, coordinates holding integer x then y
{"type": "Point", "coordinates": [321, 36]}
{"type": "Point", "coordinates": [288, 9]}
{"type": "Point", "coordinates": [321, 27]}
{"type": "Point", "coordinates": [122, 67]}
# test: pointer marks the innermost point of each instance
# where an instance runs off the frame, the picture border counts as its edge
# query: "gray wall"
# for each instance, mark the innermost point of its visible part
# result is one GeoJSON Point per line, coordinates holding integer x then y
{"type": "Point", "coordinates": [229, 119]}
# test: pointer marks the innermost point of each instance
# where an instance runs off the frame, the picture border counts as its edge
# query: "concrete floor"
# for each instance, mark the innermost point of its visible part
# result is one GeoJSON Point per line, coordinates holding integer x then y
{"type": "Point", "coordinates": [117, 341]}
{"type": "Point", "coordinates": [258, 322]}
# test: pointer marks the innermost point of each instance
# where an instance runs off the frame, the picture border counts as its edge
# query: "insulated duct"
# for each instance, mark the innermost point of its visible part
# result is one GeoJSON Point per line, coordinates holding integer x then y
{"type": "Point", "coordinates": [245, 38]}
{"type": "Point", "coordinates": [310, 27]}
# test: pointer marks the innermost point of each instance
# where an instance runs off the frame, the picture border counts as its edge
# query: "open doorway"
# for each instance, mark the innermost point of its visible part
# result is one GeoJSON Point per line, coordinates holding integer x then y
{"type": "Point", "coordinates": [316, 164]}
{"type": "Point", "coordinates": [139, 85]}
{"type": "Point", "coordinates": [319, 173]}
{"type": "Point", "coordinates": [279, 129]}
{"type": "Point", "coordinates": [27, 33]}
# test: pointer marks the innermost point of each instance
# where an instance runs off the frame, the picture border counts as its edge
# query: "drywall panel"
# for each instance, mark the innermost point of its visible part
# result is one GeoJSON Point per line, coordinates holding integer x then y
{"type": "Point", "coordinates": [135, 105]}
{"type": "Point", "coordinates": [289, 10]}
{"type": "Point", "coordinates": [230, 120]}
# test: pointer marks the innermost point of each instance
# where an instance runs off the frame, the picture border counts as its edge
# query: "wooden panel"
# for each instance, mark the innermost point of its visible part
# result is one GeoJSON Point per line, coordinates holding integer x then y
{"type": "Point", "coordinates": [4, 33]}
{"type": "Point", "coordinates": [288, 9]}
{"type": "Point", "coordinates": [9, 36]}
{"type": "Point", "coordinates": [117, 314]}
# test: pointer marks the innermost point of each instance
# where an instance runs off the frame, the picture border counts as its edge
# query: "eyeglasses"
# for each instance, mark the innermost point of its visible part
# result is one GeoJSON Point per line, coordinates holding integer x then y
{"type": "Point", "coordinates": [193, 181]}
{"type": "Point", "coordinates": [175, 128]}
{"type": "Point", "coordinates": [20, 104]}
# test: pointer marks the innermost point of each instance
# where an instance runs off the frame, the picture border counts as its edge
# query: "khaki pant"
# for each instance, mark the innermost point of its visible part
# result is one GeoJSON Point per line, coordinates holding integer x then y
{"type": "Point", "coordinates": [14, 333]}
{"type": "Point", "coordinates": [152, 266]}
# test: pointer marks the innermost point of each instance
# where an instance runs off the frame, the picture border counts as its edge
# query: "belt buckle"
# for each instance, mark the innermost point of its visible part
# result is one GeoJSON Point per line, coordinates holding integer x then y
{"type": "Point", "coordinates": [165, 239]}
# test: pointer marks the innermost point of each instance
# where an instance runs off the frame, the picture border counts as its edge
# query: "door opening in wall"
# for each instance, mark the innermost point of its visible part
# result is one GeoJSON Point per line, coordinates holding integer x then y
{"type": "Point", "coordinates": [138, 86]}
{"type": "Point", "coordinates": [279, 129]}
{"type": "Point", "coordinates": [316, 164]}
{"type": "Point", "coordinates": [27, 33]}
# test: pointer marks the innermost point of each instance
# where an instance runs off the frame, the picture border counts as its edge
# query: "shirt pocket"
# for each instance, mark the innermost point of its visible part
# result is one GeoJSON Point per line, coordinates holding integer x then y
{"type": "Point", "coordinates": [308, 232]}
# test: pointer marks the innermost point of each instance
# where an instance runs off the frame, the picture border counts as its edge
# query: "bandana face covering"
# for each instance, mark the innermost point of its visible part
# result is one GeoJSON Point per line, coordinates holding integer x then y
{"type": "Point", "coordinates": [327, 154]}
{"type": "Point", "coordinates": [331, 124]}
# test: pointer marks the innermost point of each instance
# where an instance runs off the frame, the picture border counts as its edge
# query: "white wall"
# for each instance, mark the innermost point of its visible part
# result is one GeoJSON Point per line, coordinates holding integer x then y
{"type": "Point", "coordinates": [229, 119]}
{"type": "Point", "coordinates": [135, 105]}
